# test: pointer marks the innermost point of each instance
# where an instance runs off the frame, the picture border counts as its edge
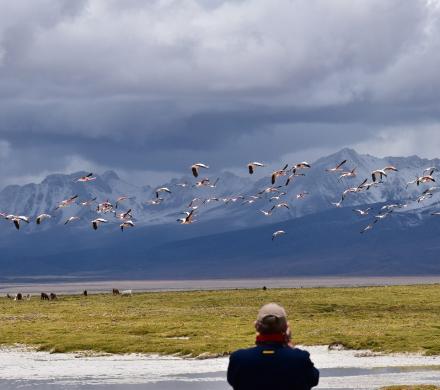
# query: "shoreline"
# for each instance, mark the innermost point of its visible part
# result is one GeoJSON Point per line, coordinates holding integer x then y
{"type": "Point", "coordinates": [85, 354]}
{"type": "Point", "coordinates": [99, 286]}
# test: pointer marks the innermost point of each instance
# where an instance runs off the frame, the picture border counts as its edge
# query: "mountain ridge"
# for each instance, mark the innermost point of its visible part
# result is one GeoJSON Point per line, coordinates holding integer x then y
{"type": "Point", "coordinates": [230, 238]}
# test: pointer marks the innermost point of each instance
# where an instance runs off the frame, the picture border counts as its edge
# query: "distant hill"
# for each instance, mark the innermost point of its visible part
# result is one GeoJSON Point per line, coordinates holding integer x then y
{"type": "Point", "coordinates": [230, 239]}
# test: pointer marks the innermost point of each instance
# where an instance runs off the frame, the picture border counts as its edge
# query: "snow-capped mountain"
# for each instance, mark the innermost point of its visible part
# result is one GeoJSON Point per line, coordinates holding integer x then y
{"type": "Point", "coordinates": [232, 237]}
{"type": "Point", "coordinates": [322, 188]}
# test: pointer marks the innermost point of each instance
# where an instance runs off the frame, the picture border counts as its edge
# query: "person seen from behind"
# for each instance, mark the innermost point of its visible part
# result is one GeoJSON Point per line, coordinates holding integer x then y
{"type": "Point", "coordinates": [274, 363]}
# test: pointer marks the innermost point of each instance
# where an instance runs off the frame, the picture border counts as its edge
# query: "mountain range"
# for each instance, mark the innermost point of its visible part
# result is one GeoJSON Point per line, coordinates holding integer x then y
{"type": "Point", "coordinates": [230, 238]}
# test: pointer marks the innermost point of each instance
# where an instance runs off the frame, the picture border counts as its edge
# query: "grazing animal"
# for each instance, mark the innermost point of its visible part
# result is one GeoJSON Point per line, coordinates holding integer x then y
{"type": "Point", "coordinates": [9, 296]}
{"type": "Point", "coordinates": [44, 296]}
{"type": "Point", "coordinates": [115, 291]}
{"type": "Point", "coordinates": [53, 296]}
{"type": "Point", "coordinates": [18, 297]}
{"type": "Point", "coordinates": [85, 293]}
{"type": "Point", "coordinates": [126, 293]}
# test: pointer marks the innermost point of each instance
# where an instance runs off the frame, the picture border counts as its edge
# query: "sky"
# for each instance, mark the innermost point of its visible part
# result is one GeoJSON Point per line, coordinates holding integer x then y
{"type": "Point", "coordinates": [147, 88]}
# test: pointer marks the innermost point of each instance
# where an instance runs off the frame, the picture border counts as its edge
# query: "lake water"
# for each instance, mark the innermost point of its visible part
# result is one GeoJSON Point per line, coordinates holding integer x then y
{"type": "Point", "coordinates": [20, 369]}
{"type": "Point", "coordinates": [67, 286]}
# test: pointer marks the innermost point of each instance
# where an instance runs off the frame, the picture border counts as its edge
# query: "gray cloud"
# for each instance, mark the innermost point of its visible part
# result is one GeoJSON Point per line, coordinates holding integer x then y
{"type": "Point", "coordinates": [155, 85]}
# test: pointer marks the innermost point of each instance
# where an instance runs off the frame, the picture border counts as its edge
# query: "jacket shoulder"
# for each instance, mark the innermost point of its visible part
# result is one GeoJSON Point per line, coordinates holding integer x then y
{"type": "Point", "coordinates": [299, 353]}
{"type": "Point", "coordinates": [243, 352]}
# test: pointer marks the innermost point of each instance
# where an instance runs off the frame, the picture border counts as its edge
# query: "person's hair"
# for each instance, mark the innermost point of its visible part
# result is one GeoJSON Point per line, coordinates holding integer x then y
{"type": "Point", "coordinates": [271, 324]}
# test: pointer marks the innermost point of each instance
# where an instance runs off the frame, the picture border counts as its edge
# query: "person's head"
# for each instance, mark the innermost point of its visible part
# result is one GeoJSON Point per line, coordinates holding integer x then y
{"type": "Point", "coordinates": [271, 319]}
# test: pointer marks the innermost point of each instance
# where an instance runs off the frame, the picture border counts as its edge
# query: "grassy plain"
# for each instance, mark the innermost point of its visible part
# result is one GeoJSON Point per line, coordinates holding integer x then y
{"type": "Point", "coordinates": [391, 319]}
{"type": "Point", "coordinates": [416, 387]}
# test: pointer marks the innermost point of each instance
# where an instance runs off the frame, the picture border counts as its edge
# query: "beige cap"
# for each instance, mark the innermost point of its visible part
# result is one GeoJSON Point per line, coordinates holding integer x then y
{"type": "Point", "coordinates": [271, 310]}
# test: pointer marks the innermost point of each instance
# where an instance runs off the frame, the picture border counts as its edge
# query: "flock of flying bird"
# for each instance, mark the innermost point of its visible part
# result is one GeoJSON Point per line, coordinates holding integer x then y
{"type": "Point", "coordinates": [275, 191]}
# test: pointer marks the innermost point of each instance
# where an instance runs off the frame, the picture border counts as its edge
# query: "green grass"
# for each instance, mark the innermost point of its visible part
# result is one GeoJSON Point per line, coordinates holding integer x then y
{"type": "Point", "coordinates": [417, 387]}
{"type": "Point", "coordinates": [391, 319]}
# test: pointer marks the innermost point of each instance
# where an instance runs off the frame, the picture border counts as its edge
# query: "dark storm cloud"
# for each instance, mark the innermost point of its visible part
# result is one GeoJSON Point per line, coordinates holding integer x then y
{"type": "Point", "coordinates": [156, 85]}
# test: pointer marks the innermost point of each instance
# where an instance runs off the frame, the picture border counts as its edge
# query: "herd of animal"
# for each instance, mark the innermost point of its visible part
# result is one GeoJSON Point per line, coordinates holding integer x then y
{"type": "Point", "coordinates": [52, 296]}
{"type": "Point", "coordinates": [274, 193]}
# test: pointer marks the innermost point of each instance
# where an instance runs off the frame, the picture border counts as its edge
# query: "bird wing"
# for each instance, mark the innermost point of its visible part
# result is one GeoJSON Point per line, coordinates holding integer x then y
{"type": "Point", "coordinates": [341, 164]}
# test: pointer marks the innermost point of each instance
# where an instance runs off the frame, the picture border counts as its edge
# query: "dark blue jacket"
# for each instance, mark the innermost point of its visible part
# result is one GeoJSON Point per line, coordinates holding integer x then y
{"type": "Point", "coordinates": [272, 366]}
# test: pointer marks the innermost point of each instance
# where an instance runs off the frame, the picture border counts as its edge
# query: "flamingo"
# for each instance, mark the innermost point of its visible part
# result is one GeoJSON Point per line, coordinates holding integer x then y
{"type": "Point", "coordinates": [337, 168]}
{"type": "Point", "coordinates": [86, 178]}
{"type": "Point", "coordinates": [16, 219]}
{"type": "Point", "coordinates": [292, 176]}
{"type": "Point", "coordinates": [188, 219]}
{"type": "Point", "coordinates": [215, 183]}
{"type": "Point", "coordinates": [381, 173]}
{"type": "Point", "coordinates": [162, 189]}
{"type": "Point", "coordinates": [421, 180]}
{"type": "Point", "coordinates": [277, 234]}
{"type": "Point", "coordinates": [154, 202]}
{"type": "Point", "coordinates": [96, 222]}
{"type": "Point", "coordinates": [87, 202]}
{"type": "Point", "coordinates": [369, 227]}
{"type": "Point", "coordinates": [104, 207]}
{"type": "Point", "coordinates": [269, 189]}
{"type": "Point", "coordinates": [193, 202]}
{"type": "Point", "coordinates": [195, 168]}
{"type": "Point", "coordinates": [351, 173]}
{"type": "Point", "coordinates": [302, 195]}
{"type": "Point", "coordinates": [302, 165]}
{"type": "Point", "coordinates": [41, 218]}
{"type": "Point", "coordinates": [252, 165]}
{"type": "Point", "coordinates": [126, 224]}
{"type": "Point", "coordinates": [202, 183]}
{"type": "Point", "coordinates": [280, 205]}
{"type": "Point", "coordinates": [361, 212]}
{"type": "Point", "coordinates": [338, 204]}
{"type": "Point", "coordinates": [429, 171]}
{"type": "Point", "coordinates": [280, 172]}
{"type": "Point", "coordinates": [380, 217]}
{"type": "Point", "coordinates": [124, 216]}
{"type": "Point", "coordinates": [66, 202]}
{"type": "Point", "coordinates": [71, 219]}
{"type": "Point", "coordinates": [378, 173]}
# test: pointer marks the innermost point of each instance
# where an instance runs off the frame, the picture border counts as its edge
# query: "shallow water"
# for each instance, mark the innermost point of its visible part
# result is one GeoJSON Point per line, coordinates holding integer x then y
{"type": "Point", "coordinates": [339, 370]}
{"type": "Point", "coordinates": [35, 286]}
